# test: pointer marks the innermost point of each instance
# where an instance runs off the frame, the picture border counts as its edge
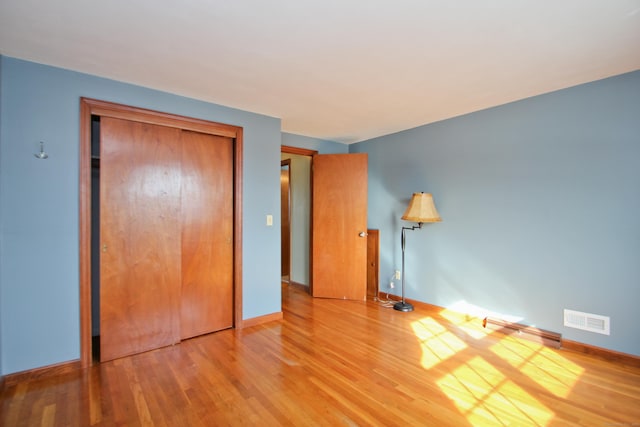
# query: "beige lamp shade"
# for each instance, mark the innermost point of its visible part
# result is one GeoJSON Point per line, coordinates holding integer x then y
{"type": "Point", "coordinates": [421, 209]}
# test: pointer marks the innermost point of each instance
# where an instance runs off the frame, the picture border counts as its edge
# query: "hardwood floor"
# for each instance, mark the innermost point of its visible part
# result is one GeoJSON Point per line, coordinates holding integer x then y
{"type": "Point", "coordinates": [334, 362]}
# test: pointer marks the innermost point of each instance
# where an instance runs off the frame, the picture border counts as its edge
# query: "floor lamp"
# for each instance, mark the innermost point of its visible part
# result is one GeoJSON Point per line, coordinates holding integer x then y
{"type": "Point", "coordinates": [421, 209]}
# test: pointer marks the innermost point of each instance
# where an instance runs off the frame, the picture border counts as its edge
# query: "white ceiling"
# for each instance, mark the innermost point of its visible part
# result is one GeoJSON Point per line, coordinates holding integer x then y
{"type": "Point", "coordinates": [342, 70]}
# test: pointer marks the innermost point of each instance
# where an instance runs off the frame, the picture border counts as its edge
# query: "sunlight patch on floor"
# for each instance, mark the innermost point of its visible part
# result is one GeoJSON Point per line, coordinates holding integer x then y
{"type": "Point", "coordinates": [543, 365]}
{"type": "Point", "coordinates": [486, 396]}
{"type": "Point", "coordinates": [436, 341]}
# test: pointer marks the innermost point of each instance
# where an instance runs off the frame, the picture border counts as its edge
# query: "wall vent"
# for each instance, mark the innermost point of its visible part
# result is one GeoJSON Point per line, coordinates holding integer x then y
{"type": "Point", "coordinates": [587, 321]}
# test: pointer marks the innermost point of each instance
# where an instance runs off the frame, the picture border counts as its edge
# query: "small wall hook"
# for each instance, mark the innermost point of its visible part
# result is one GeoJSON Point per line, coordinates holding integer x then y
{"type": "Point", "coordinates": [41, 154]}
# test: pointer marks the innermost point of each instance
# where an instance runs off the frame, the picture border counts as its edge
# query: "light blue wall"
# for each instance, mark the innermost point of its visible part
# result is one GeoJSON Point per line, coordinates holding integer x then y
{"type": "Point", "coordinates": [540, 201]}
{"type": "Point", "coordinates": [39, 277]}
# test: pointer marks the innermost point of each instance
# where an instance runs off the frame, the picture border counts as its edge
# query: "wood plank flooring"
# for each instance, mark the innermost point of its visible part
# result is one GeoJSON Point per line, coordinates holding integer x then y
{"type": "Point", "coordinates": [333, 363]}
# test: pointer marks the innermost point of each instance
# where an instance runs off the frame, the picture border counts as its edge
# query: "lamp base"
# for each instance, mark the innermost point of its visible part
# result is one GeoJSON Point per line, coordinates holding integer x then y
{"type": "Point", "coordinates": [402, 306]}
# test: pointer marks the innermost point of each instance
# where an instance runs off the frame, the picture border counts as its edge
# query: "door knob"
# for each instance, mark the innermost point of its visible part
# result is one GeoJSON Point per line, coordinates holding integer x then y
{"type": "Point", "coordinates": [362, 234]}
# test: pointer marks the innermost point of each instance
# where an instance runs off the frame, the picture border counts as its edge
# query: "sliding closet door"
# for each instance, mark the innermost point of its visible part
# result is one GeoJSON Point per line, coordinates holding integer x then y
{"type": "Point", "coordinates": [140, 228]}
{"type": "Point", "coordinates": [207, 234]}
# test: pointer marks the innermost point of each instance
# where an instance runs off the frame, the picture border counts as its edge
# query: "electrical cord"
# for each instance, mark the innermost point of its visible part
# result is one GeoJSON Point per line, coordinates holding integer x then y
{"type": "Point", "coordinates": [387, 302]}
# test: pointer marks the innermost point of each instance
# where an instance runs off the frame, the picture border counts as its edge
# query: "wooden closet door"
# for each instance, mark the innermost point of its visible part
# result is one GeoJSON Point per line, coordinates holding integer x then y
{"type": "Point", "coordinates": [140, 269]}
{"type": "Point", "coordinates": [207, 234]}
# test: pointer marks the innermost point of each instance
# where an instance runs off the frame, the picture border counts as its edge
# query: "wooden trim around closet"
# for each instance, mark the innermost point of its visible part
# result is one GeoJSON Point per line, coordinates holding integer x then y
{"type": "Point", "coordinates": [92, 107]}
{"type": "Point", "coordinates": [118, 111]}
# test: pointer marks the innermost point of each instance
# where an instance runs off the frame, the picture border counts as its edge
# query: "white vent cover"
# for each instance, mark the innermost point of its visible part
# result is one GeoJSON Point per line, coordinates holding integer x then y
{"type": "Point", "coordinates": [587, 321]}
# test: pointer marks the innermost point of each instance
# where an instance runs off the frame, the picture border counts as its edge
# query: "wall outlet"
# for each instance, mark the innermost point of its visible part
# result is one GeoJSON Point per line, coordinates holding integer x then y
{"type": "Point", "coordinates": [392, 285]}
{"type": "Point", "coordinates": [398, 275]}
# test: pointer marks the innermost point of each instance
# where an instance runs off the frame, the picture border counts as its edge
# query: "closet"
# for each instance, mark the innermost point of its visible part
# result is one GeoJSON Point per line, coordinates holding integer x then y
{"type": "Point", "coordinates": [166, 234]}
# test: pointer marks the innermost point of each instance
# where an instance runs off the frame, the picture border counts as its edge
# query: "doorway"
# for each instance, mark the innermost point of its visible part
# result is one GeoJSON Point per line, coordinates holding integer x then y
{"type": "Point", "coordinates": [285, 215]}
{"type": "Point", "coordinates": [327, 223]}
{"type": "Point", "coordinates": [296, 218]}
{"type": "Point", "coordinates": [191, 130]}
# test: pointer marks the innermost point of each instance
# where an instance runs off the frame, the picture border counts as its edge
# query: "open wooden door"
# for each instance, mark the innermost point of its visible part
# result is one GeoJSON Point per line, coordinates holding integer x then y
{"type": "Point", "coordinates": [339, 216]}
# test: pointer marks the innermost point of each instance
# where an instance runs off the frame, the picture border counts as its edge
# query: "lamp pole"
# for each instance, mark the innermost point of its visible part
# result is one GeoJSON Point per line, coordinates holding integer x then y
{"type": "Point", "coordinates": [403, 305]}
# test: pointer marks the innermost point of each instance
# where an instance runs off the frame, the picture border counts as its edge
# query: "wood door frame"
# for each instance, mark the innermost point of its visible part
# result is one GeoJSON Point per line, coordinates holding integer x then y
{"type": "Point", "coordinates": [91, 107]}
{"type": "Point", "coordinates": [310, 153]}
